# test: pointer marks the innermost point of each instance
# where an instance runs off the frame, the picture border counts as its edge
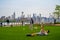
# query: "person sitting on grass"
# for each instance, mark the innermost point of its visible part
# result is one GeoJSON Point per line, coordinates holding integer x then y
{"type": "Point", "coordinates": [42, 32]}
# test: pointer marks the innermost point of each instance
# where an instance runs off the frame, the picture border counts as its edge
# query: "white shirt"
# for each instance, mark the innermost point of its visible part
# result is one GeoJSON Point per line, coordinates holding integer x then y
{"type": "Point", "coordinates": [42, 33]}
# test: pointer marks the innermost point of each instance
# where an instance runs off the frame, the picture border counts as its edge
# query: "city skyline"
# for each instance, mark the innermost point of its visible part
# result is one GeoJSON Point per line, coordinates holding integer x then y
{"type": "Point", "coordinates": [44, 7]}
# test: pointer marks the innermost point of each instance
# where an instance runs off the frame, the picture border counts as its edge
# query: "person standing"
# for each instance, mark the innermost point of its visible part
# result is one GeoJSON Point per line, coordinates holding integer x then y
{"type": "Point", "coordinates": [7, 22]}
{"type": "Point", "coordinates": [1, 24]}
{"type": "Point", "coordinates": [31, 23]}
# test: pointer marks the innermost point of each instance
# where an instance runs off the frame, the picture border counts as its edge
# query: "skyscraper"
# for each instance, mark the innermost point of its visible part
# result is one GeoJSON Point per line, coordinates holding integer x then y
{"type": "Point", "coordinates": [13, 16]}
{"type": "Point", "coordinates": [34, 17]}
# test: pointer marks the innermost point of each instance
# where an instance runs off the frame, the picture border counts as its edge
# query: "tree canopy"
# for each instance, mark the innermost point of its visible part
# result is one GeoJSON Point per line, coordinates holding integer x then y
{"type": "Point", "coordinates": [57, 11]}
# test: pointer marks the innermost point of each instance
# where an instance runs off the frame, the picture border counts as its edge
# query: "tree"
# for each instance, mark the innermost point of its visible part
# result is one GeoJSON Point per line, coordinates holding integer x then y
{"type": "Point", "coordinates": [57, 13]}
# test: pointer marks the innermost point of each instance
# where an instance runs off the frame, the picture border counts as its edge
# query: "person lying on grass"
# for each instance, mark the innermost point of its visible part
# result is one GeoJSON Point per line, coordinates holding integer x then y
{"type": "Point", "coordinates": [42, 32]}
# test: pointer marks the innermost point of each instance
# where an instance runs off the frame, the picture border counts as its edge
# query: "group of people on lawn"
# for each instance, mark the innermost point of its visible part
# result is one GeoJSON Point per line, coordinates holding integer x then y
{"type": "Point", "coordinates": [42, 32]}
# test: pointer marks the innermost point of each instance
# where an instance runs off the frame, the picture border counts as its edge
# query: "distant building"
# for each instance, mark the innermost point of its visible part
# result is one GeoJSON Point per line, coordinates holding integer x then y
{"type": "Point", "coordinates": [22, 15]}
{"type": "Point", "coordinates": [3, 17]}
{"type": "Point", "coordinates": [18, 19]}
{"type": "Point", "coordinates": [38, 19]}
{"type": "Point", "coordinates": [34, 18]}
{"type": "Point", "coordinates": [13, 16]}
{"type": "Point", "coordinates": [9, 17]}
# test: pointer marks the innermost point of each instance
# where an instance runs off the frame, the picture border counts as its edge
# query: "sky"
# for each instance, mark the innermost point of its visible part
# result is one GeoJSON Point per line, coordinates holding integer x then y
{"type": "Point", "coordinates": [43, 7]}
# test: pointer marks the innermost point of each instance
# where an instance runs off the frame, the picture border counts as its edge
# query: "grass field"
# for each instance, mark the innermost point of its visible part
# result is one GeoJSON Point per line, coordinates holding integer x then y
{"type": "Point", "coordinates": [19, 33]}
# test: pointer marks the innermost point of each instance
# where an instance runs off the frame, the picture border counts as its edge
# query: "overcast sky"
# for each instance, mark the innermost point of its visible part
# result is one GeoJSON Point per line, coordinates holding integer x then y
{"type": "Point", "coordinates": [44, 7]}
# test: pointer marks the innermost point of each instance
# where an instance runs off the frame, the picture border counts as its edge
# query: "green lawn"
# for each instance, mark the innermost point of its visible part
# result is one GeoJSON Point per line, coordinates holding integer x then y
{"type": "Point", "coordinates": [19, 33]}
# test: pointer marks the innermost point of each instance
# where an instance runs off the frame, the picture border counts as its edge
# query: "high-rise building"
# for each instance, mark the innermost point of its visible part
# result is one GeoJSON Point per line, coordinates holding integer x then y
{"type": "Point", "coordinates": [13, 16]}
{"type": "Point", "coordinates": [22, 15]}
{"type": "Point", "coordinates": [34, 18]}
